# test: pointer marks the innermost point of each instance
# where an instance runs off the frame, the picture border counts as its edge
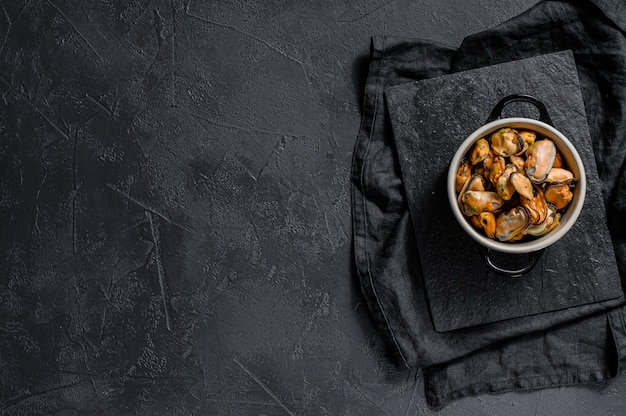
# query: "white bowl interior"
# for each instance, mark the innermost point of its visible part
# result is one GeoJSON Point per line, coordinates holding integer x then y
{"type": "Point", "coordinates": [570, 157]}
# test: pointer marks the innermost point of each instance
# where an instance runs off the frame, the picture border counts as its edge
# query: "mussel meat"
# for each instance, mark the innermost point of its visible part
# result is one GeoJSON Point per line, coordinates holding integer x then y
{"type": "Point", "coordinates": [518, 161]}
{"type": "Point", "coordinates": [539, 159]}
{"type": "Point", "coordinates": [522, 184]}
{"type": "Point", "coordinates": [487, 161]}
{"type": "Point", "coordinates": [488, 223]}
{"type": "Point", "coordinates": [497, 167]}
{"type": "Point", "coordinates": [475, 202]}
{"type": "Point", "coordinates": [480, 152]}
{"type": "Point", "coordinates": [551, 221]}
{"type": "Point", "coordinates": [559, 194]}
{"type": "Point", "coordinates": [558, 160]}
{"type": "Point", "coordinates": [504, 187]}
{"type": "Point", "coordinates": [475, 183]}
{"type": "Point", "coordinates": [509, 224]}
{"type": "Point", "coordinates": [507, 142]}
{"type": "Point", "coordinates": [529, 138]}
{"type": "Point", "coordinates": [537, 206]}
{"type": "Point", "coordinates": [463, 173]}
{"type": "Point", "coordinates": [475, 220]}
{"type": "Point", "coordinates": [559, 175]}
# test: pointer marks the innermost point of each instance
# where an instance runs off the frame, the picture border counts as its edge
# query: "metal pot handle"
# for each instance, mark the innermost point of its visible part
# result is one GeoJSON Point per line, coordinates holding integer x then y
{"type": "Point", "coordinates": [533, 258]}
{"type": "Point", "coordinates": [496, 113]}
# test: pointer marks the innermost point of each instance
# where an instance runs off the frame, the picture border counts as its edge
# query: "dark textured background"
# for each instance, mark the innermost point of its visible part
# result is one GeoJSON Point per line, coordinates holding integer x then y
{"type": "Point", "coordinates": [174, 204]}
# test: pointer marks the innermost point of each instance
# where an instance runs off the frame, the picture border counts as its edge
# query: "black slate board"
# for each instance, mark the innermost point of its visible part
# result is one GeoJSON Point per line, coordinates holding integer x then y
{"type": "Point", "coordinates": [430, 118]}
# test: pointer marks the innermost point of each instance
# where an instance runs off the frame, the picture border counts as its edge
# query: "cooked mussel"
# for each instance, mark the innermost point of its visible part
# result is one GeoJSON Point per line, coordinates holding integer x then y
{"type": "Point", "coordinates": [509, 224]}
{"type": "Point", "coordinates": [480, 151]}
{"type": "Point", "coordinates": [487, 221]}
{"type": "Point", "coordinates": [558, 160]}
{"type": "Point", "coordinates": [507, 142]}
{"type": "Point", "coordinates": [539, 159]}
{"type": "Point", "coordinates": [463, 173]}
{"type": "Point", "coordinates": [518, 161]}
{"type": "Point", "coordinates": [522, 184]}
{"type": "Point", "coordinates": [504, 187]}
{"type": "Point", "coordinates": [559, 175]}
{"type": "Point", "coordinates": [497, 167]}
{"type": "Point", "coordinates": [475, 202]}
{"type": "Point", "coordinates": [529, 138]}
{"type": "Point", "coordinates": [537, 206]}
{"type": "Point", "coordinates": [475, 183]}
{"type": "Point", "coordinates": [488, 161]}
{"type": "Point", "coordinates": [514, 185]}
{"type": "Point", "coordinates": [551, 221]}
{"type": "Point", "coordinates": [559, 194]}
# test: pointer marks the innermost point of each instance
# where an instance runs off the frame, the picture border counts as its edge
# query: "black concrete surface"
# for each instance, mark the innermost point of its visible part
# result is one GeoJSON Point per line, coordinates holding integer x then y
{"type": "Point", "coordinates": [175, 218]}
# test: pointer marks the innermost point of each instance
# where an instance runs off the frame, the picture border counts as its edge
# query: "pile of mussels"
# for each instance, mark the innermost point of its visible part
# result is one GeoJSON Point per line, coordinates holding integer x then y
{"type": "Point", "coordinates": [513, 185]}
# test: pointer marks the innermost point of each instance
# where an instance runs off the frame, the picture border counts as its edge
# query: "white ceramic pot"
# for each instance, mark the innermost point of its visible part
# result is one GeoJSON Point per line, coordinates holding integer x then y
{"type": "Point", "coordinates": [570, 158]}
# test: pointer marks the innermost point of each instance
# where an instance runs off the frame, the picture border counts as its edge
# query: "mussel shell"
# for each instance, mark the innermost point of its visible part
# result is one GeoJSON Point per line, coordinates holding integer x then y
{"type": "Point", "coordinates": [551, 221]}
{"type": "Point", "coordinates": [518, 236]}
{"type": "Point", "coordinates": [475, 183]}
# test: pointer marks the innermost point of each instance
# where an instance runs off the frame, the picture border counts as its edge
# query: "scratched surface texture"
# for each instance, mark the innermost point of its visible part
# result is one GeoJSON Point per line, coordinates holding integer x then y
{"type": "Point", "coordinates": [174, 210]}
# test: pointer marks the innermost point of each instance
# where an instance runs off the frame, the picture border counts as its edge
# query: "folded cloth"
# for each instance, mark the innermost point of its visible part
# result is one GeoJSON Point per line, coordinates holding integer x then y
{"type": "Point", "coordinates": [463, 362]}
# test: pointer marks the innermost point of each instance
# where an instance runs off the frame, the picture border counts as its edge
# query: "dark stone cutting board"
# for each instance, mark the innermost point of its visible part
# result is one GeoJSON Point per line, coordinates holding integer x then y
{"type": "Point", "coordinates": [430, 118]}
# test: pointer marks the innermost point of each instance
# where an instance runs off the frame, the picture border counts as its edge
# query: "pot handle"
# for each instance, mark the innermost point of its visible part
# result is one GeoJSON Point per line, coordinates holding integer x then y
{"type": "Point", "coordinates": [496, 113]}
{"type": "Point", "coordinates": [533, 258]}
